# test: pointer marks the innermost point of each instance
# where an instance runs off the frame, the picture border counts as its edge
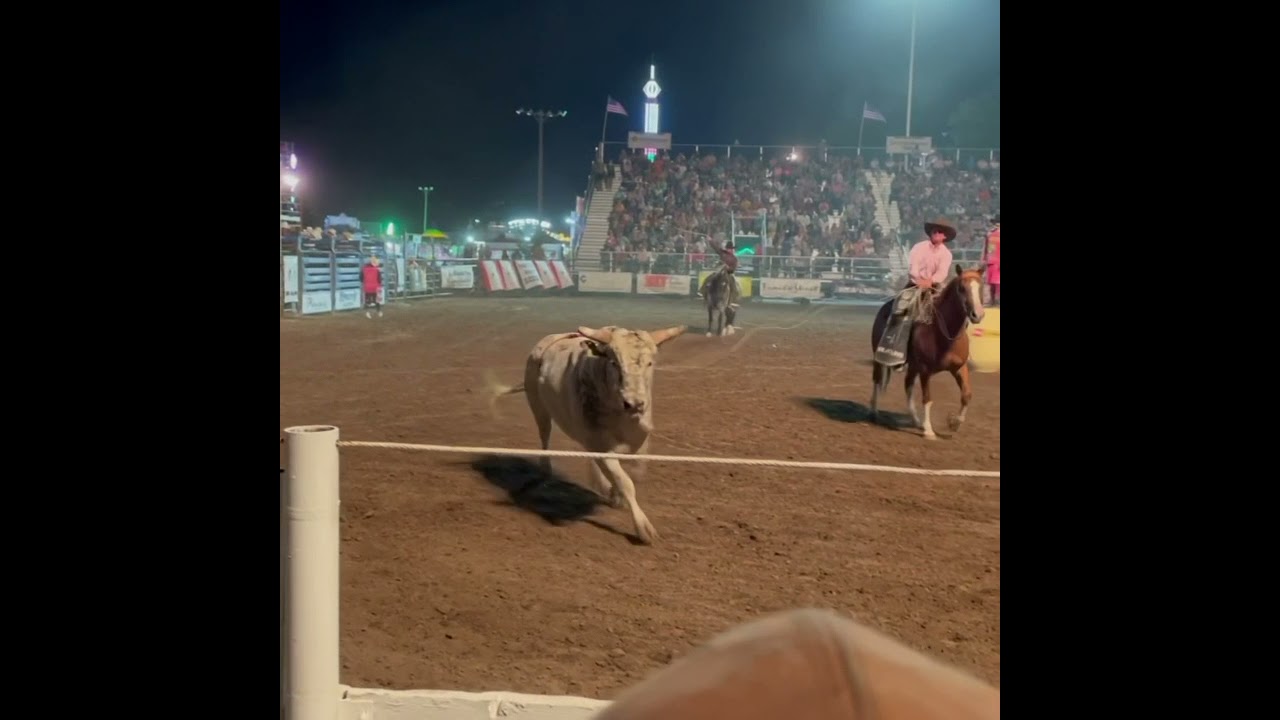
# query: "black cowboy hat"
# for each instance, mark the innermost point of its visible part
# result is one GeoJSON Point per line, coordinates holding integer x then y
{"type": "Point", "coordinates": [942, 225]}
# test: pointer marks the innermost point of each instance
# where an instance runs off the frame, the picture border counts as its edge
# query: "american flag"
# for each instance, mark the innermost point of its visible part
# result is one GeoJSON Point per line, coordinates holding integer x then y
{"type": "Point", "coordinates": [615, 107]}
{"type": "Point", "coordinates": [871, 113]}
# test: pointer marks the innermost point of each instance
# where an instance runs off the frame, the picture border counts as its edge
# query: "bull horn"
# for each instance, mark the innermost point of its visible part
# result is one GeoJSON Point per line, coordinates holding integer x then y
{"type": "Point", "coordinates": [602, 335]}
{"type": "Point", "coordinates": [665, 334]}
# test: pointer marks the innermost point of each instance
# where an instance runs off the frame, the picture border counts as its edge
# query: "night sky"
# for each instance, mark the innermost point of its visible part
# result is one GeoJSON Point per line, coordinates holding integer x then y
{"type": "Point", "coordinates": [383, 96]}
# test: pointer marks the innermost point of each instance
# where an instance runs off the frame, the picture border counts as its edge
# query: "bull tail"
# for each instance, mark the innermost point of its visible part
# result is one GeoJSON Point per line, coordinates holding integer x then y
{"type": "Point", "coordinates": [497, 389]}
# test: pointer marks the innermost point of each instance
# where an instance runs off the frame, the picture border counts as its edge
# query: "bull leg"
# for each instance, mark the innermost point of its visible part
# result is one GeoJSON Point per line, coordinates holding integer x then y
{"type": "Point", "coordinates": [928, 407]}
{"type": "Point", "coordinates": [644, 529]}
{"type": "Point", "coordinates": [603, 487]}
{"type": "Point", "coordinates": [638, 472]}
{"type": "Point", "coordinates": [966, 394]}
{"type": "Point", "coordinates": [543, 419]}
{"type": "Point", "coordinates": [911, 399]}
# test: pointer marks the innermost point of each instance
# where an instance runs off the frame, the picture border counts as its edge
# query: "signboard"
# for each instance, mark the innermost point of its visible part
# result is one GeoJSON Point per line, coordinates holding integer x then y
{"type": "Point", "coordinates": [908, 145]}
{"type": "Point", "coordinates": [317, 302]}
{"type": "Point", "coordinates": [604, 282]}
{"type": "Point", "coordinates": [545, 273]}
{"type": "Point", "coordinates": [348, 299]}
{"type": "Point", "coordinates": [492, 276]}
{"type": "Point", "coordinates": [457, 277]}
{"type": "Point", "coordinates": [291, 278]}
{"type": "Point", "coordinates": [662, 284]}
{"type": "Point", "coordinates": [789, 288]}
{"type": "Point", "coordinates": [528, 273]}
{"type": "Point", "coordinates": [744, 282]}
{"type": "Point", "coordinates": [640, 141]}
{"type": "Point", "coordinates": [563, 276]}
{"type": "Point", "coordinates": [510, 280]}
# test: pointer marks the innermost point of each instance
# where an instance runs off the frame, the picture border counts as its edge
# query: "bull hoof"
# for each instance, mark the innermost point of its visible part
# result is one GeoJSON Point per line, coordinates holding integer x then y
{"type": "Point", "coordinates": [647, 533]}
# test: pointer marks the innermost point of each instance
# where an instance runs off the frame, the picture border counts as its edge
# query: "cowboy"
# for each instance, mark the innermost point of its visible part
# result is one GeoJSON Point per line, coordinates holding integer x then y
{"type": "Point", "coordinates": [991, 255]}
{"type": "Point", "coordinates": [930, 262]}
{"type": "Point", "coordinates": [728, 268]}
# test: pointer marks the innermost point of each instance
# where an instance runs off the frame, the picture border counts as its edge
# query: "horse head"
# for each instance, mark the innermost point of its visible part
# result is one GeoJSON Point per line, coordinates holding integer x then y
{"type": "Point", "coordinates": [968, 286]}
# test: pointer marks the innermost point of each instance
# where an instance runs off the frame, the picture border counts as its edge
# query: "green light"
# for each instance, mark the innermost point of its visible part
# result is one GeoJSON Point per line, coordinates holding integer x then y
{"type": "Point", "coordinates": [391, 228]}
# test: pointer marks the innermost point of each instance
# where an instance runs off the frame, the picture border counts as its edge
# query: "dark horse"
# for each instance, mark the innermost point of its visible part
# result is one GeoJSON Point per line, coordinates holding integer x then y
{"type": "Point", "coordinates": [719, 296]}
{"type": "Point", "coordinates": [934, 346]}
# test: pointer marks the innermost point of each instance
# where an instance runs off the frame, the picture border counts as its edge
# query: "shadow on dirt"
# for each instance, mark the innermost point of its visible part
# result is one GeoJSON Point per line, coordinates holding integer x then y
{"type": "Point", "coordinates": [550, 497]}
{"type": "Point", "coordinates": [854, 412]}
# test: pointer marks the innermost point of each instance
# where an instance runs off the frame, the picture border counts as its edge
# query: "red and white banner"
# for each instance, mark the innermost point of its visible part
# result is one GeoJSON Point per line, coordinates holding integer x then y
{"type": "Point", "coordinates": [662, 285]}
{"type": "Point", "coordinates": [544, 273]}
{"type": "Point", "coordinates": [528, 273]}
{"type": "Point", "coordinates": [494, 278]}
{"type": "Point", "coordinates": [563, 278]}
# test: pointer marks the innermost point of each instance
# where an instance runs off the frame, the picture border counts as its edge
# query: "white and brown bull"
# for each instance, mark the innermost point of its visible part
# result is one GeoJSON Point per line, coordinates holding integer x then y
{"type": "Point", "coordinates": [597, 386]}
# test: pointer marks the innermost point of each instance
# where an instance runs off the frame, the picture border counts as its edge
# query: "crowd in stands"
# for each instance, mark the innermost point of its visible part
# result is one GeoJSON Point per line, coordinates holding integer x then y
{"type": "Point", "coordinates": [815, 206]}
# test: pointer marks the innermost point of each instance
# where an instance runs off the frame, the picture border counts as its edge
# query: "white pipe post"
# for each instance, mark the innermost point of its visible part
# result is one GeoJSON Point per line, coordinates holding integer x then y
{"type": "Point", "coordinates": [311, 573]}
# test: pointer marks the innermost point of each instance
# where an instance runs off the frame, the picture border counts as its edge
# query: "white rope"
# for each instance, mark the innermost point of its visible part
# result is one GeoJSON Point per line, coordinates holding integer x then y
{"type": "Point", "coordinates": [667, 458]}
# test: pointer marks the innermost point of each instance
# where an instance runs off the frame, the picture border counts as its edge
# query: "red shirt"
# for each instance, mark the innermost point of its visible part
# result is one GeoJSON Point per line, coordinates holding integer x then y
{"type": "Point", "coordinates": [728, 258]}
{"type": "Point", "coordinates": [371, 276]}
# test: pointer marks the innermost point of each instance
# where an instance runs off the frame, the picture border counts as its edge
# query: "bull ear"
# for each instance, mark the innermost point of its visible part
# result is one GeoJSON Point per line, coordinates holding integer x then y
{"type": "Point", "coordinates": [665, 334]}
{"type": "Point", "coordinates": [602, 335]}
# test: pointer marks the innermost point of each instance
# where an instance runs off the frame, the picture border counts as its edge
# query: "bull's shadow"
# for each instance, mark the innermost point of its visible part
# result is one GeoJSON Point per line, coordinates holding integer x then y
{"type": "Point", "coordinates": [854, 412]}
{"type": "Point", "coordinates": [550, 497]}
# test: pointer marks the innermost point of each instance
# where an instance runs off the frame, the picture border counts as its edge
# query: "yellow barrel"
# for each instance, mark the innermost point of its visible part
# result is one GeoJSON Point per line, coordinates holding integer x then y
{"type": "Point", "coordinates": [984, 343]}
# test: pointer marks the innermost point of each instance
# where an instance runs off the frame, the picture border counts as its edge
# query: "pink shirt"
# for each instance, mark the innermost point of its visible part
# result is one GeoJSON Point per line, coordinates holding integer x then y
{"type": "Point", "coordinates": [930, 261]}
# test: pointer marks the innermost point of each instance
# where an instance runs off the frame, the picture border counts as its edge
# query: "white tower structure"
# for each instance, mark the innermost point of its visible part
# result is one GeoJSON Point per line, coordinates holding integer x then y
{"type": "Point", "coordinates": [651, 90]}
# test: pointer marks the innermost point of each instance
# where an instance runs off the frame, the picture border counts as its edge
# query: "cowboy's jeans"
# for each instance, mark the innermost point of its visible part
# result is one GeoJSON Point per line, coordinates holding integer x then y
{"type": "Point", "coordinates": [891, 351]}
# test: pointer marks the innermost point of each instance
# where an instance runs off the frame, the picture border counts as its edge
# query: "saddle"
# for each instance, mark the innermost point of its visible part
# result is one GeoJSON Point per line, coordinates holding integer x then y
{"type": "Point", "coordinates": [891, 350]}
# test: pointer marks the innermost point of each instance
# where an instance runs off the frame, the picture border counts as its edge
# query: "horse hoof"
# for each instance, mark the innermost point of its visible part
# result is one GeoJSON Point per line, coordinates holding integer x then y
{"type": "Point", "coordinates": [954, 422]}
{"type": "Point", "coordinates": [708, 333]}
{"type": "Point", "coordinates": [930, 436]}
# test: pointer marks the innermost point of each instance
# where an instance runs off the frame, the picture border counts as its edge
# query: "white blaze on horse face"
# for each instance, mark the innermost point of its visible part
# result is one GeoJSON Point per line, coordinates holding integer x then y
{"type": "Point", "coordinates": [975, 296]}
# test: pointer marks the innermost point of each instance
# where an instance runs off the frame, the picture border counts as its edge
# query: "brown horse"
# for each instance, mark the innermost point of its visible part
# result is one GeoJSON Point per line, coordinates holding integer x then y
{"type": "Point", "coordinates": [935, 346]}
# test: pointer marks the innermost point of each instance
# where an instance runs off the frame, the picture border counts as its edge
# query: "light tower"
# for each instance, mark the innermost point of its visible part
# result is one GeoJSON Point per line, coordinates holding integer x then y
{"type": "Point", "coordinates": [651, 90]}
{"type": "Point", "coordinates": [542, 116]}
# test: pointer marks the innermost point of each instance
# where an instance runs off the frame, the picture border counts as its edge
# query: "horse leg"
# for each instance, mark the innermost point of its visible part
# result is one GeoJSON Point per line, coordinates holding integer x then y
{"type": "Point", "coordinates": [928, 407]}
{"type": "Point", "coordinates": [910, 383]}
{"type": "Point", "coordinates": [966, 394]}
{"type": "Point", "coordinates": [709, 311]}
{"type": "Point", "coordinates": [877, 373]}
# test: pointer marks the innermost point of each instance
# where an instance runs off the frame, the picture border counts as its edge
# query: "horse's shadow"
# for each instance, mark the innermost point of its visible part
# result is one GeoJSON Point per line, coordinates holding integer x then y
{"type": "Point", "coordinates": [853, 412]}
{"type": "Point", "coordinates": [551, 497]}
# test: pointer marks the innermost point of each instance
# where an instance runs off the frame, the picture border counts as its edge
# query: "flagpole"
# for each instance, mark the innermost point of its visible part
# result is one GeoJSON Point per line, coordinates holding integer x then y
{"type": "Point", "coordinates": [861, 125]}
{"type": "Point", "coordinates": [605, 126]}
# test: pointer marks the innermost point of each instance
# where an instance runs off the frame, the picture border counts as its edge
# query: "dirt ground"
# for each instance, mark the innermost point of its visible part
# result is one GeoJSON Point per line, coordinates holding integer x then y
{"type": "Point", "coordinates": [473, 574]}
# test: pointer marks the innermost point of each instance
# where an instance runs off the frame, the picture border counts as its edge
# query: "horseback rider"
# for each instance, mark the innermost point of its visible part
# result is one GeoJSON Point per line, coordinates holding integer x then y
{"type": "Point", "coordinates": [729, 267]}
{"type": "Point", "coordinates": [930, 262]}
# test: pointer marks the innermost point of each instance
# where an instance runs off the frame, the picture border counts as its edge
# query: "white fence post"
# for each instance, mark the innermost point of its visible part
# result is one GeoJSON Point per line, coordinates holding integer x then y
{"type": "Point", "coordinates": [310, 560]}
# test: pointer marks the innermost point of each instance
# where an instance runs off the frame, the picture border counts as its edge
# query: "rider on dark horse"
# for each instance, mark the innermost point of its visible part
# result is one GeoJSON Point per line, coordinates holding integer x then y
{"type": "Point", "coordinates": [930, 262]}
{"type": "Point", "coordinates": [728, 269]}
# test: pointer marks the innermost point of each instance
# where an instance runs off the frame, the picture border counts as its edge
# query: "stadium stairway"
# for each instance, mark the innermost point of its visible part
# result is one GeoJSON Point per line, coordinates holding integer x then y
{"type": "Point", "coordinates": [597, 230]}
